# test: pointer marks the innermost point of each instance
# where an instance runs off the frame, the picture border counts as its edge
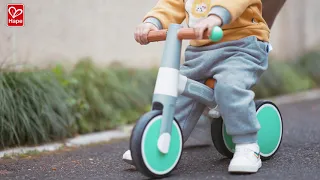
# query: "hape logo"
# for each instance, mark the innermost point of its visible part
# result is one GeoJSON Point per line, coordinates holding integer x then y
{"type": "Point", "coordinates": [15, 15]}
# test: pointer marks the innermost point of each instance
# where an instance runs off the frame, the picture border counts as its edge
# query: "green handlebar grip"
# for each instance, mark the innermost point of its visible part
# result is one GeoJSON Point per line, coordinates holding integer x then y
{"type": "Point", "coordinates": [216, 34]}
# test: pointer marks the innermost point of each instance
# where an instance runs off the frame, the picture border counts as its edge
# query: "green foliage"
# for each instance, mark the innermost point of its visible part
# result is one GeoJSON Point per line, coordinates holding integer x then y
{"type": "Point", "coordinates": [108, 97]}
{"type": "Point", "coordinates": [282, 78]}
{"type": "Point", "coordinates": [32, 109]}
{"type": "Point", "coordinates": [41, 106]}
{"type": "Point", "coordinates": [310, 65]}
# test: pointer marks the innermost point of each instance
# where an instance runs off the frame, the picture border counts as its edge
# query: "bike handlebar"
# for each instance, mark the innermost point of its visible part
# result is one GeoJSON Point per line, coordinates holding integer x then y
{"type": "Point", "coordinates": [185, 33]}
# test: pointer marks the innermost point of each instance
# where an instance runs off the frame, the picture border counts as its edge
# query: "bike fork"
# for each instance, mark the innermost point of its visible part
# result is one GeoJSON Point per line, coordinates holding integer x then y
{"type": "Point", "coordinates": [166, 88]}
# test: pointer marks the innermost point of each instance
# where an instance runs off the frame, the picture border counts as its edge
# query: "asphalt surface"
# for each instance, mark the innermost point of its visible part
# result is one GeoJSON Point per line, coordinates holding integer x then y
{"type": "Point", "coordinates": [298, 157]}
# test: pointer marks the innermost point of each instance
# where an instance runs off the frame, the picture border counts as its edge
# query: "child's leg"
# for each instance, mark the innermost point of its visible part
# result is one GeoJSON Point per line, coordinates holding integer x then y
{"type": "Point", "coordinates": [188, 112]}
{"type": "Point", "coordinates": [235, 77]}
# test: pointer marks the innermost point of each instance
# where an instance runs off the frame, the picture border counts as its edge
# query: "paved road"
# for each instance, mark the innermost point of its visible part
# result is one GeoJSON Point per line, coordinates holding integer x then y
{"type": "Point", "coordinates": [298, 158]}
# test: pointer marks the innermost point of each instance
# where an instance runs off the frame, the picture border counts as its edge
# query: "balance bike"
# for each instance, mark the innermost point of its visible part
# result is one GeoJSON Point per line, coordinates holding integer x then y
{"type": "Point", "coordinates": [156, 141]}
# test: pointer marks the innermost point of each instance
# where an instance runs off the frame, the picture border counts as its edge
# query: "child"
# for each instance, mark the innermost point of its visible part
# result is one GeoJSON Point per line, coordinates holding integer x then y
{"type": "Point", "coordinates": [236, 62]}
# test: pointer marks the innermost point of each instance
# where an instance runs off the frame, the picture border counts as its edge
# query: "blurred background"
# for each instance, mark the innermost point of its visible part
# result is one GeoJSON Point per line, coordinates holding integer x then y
{"type": "Point", "coordinates": [75, 68]}
{"type": "Point", "coordinates": [64, 31]}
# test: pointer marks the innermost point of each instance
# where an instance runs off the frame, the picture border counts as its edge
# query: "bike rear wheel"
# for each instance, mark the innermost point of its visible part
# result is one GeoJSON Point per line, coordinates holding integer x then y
{"type": "Point", "coordinates": [269, 136]}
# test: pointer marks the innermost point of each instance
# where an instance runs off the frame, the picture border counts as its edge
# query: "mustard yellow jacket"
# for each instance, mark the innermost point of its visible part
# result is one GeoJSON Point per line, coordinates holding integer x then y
{"type": "Point", "coordinates": [241, 18]}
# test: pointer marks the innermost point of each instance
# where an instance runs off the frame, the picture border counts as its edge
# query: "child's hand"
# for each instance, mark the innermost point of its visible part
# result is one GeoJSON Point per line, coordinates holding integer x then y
{"type": "Point", "coordinates": [207, 24]}
{"type": "Point", "coordinates": [141, 32]}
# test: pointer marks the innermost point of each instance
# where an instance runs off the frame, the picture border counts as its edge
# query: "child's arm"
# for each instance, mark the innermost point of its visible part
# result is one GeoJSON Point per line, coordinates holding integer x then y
{"type": "Point", "coordinates": [166, 12]}
{"type": "Point", "coordinates": [230, 10]}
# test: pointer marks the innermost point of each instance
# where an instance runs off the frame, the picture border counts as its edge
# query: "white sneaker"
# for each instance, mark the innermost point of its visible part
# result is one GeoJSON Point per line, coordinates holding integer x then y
{"type": "Point", "coordinates": [126, 157]}
{"type": "Point", "coordinates": [246, 159]}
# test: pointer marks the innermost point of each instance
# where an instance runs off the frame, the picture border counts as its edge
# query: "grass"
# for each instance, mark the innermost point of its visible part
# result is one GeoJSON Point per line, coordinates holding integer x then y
{"type": "Point", "coordinates": [106, 98]}
{"type": "Point", "coordinates": [33, 109]}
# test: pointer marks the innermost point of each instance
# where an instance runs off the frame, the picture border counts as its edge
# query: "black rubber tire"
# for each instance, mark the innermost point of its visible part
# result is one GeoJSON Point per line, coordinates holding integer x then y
{"type": "Point", "coordinates": [135, 144]}
{"type": "Point", "coordinates": [217, 134]}
{"type": "Point", "coordinates": [217, 138]}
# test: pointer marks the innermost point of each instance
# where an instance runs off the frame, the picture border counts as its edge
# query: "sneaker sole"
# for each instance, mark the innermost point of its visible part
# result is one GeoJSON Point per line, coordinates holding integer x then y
{"type": "Point", "coordinates": [244, 169]}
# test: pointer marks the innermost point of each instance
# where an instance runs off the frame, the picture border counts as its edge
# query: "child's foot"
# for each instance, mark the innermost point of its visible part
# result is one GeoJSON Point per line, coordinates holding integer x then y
{"type": "Point", "coordinates": [246, 159]}
{"type": "Point", "coordinates": [126, 157]}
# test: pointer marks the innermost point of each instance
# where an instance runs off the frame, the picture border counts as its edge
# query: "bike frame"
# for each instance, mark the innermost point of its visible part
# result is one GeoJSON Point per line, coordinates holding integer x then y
{"type": "Point", "coordinates": [170, 84]}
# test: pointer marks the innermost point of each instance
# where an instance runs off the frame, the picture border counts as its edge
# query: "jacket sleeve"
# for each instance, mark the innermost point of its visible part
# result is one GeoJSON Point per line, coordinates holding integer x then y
{"type": "Point", "coordinates": [167, 12]}
{"type": "Point", "coordinates": [234, 7]}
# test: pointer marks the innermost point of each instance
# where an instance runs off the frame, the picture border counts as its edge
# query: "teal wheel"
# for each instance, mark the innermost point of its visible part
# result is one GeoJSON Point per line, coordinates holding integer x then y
{"type": "Point", "coordinates": [269, 136]}
{"type": "Point", "coordinates": [144, 150]}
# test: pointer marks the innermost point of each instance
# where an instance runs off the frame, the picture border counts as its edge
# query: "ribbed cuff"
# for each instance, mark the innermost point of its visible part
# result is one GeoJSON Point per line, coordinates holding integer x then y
{"type": "Point", "coordinates": [154, 21]}
{"type": "Point", "coordinates": [248, 138]}
{"type": "Point", "coordinates": [222, 12]}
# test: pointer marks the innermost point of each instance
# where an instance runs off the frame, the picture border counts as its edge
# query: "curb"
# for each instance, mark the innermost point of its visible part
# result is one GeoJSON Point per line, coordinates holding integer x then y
{"type": "Point", "coordinates": [297, 97]}
{"type": "Point", "coordinates": [86, 139]}
{"type": "Point", "coordinates": [125, 131]}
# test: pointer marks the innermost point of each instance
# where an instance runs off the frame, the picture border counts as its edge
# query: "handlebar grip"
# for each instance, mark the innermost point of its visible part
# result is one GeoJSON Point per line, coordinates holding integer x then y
{"type": "Point", "coordinates": [216, 34]}
{"type": "Point", "coordinates": [186, 33]}
{"type": "Point", "coordinates": [159, 35]}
